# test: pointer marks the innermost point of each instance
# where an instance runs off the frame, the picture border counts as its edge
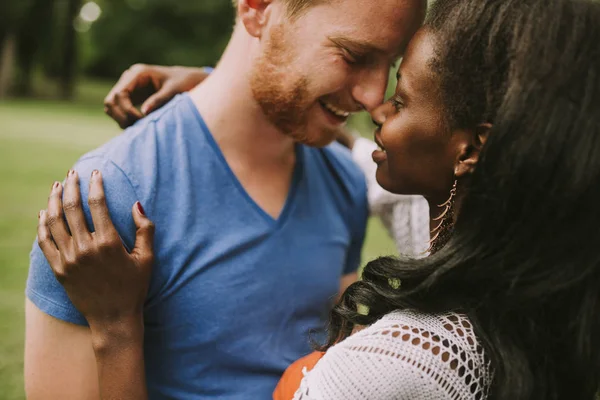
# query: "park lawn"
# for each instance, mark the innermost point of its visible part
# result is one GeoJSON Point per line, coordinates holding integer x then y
{"type": "Point", "coordinates": [39, 142]}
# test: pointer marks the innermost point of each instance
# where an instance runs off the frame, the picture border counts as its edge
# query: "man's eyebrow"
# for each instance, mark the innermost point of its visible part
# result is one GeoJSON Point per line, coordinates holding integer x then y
{"type": "Point", "coordinates": [355, 45]}
{"type": "Point", "coordinates": [362, 47]}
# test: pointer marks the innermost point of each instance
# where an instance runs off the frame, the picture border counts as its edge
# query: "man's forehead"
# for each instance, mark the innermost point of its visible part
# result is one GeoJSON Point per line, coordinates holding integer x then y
{"type": "Point", "coordinates": [386, 27]}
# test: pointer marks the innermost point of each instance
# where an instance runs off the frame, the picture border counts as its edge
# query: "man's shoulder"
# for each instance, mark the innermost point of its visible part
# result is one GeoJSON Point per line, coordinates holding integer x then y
{"type": "Point", "coordinates": [150, 142]}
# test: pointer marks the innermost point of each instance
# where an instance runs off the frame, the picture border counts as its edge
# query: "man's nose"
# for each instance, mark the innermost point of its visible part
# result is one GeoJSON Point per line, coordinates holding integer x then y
{"type": "Point", "coordinates": [370, 86]}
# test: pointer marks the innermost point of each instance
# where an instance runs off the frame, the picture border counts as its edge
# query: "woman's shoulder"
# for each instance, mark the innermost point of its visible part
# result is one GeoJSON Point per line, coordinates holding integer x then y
{"type": "Point", "coordinates": [405, 354]}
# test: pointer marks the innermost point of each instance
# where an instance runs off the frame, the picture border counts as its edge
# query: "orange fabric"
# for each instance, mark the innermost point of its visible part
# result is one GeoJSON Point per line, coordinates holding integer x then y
{"type": "Point", "coordinates": [290, 381]}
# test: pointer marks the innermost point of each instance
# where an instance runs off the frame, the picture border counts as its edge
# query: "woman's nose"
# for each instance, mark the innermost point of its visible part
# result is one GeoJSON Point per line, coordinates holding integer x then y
{"type": "Point", "coordinates": [379, 114]}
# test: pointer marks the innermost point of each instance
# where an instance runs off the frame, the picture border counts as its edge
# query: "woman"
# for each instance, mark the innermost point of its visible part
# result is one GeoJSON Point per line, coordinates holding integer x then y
{"type": "Point", "coordinates": [495, 118]}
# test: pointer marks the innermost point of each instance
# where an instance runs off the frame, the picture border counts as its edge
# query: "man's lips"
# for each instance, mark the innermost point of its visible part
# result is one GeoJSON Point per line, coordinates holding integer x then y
{"type": "Point", "coordinates": [338, 111]}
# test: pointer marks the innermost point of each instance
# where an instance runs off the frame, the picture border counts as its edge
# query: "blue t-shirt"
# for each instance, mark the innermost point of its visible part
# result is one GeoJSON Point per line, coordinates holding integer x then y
{"type": "Point", "coordinates": [234, 292]}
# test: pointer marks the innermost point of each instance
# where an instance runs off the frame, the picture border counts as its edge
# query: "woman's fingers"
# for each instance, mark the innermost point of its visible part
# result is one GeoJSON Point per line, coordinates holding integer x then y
{"type": "Point", "coordinates": [100, 216]}
{"type": "Point", "coordinates": [126, 104]}
{"type": "Point", "coordinates": [116, 113]}
{"type": "Point", "coordinates": [144, 236]}
{"type": "Point", "coordinates": [46, 242]}
{"type": "Point", "coordinates": [73, 209]}
{"type": "Point", "coordinates": [125, 110]}
{"type": "Point", "coordinates": [118, 103]}
{"type": "Point", "coordinates": [158, 99]}
{"type": "Point", "coordinates": [55, 218]}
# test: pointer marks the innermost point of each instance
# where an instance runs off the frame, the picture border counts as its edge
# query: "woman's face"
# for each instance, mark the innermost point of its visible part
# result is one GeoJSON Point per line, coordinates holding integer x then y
{"type": "Point", "coordinates": [419, 153]}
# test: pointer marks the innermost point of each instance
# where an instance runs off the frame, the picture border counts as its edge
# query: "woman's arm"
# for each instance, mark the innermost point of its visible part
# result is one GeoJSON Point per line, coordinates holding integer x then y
{"type": "Point", "coordinates": [119, 351]}
{"type": "Point", "coordinates": [105, 283]}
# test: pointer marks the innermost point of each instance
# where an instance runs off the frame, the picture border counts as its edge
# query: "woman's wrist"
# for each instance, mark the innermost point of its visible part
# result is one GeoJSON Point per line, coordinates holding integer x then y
{"type": "Point", "coordinates": [116, 335]}
{"type": "Point", "coordinates": [119, 350]}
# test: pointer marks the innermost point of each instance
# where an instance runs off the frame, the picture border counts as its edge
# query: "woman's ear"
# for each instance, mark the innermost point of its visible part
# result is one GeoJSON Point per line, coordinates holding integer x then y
{"type": "Point", "coordinates": [470, 149]}
{"type": "Point", "coordinates": [254, 14]}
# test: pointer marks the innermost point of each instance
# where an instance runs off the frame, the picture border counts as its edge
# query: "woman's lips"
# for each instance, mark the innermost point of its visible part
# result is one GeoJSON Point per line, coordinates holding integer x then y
{"type": "Point", "coordinates": [379, 155]}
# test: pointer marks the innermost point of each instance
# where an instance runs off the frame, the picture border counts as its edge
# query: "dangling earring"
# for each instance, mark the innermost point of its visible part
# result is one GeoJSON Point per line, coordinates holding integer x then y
{"type": "Point", "coordinates": [441, 233]}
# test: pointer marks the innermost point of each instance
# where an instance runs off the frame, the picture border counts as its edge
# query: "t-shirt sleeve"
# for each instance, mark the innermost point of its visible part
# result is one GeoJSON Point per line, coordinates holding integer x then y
{"type": "Point", "coordinates": [358, 227]}
{"type": "Point", "coordinates": [42, 287]}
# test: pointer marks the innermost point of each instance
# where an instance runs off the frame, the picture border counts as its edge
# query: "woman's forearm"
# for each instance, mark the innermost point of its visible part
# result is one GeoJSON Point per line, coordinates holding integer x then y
{"type": "Point", "coordinates": [119, 350]}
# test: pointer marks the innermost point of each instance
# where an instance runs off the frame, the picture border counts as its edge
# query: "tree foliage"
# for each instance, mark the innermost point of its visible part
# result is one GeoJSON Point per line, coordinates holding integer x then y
{"type": "Point", "coordinates": [183, 32]}
{"type": "Point", "coordinates": [51, 36]}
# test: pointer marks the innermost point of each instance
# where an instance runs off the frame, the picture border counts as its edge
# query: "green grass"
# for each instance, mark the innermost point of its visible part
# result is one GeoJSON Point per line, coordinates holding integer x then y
{"type": "Point", "coordinates": [39, 141]}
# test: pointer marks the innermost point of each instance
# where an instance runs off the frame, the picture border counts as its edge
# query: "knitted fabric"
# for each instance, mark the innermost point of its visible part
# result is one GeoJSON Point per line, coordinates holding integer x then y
{"type": "Point", "coordinates": [405, 355]}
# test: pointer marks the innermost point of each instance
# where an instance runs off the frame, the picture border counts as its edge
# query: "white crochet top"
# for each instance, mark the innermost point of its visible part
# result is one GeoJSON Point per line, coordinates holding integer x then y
{"type": "Point", "coordinates": [405, 355]}
{"type": "Point", "coordinates": [405, 217]}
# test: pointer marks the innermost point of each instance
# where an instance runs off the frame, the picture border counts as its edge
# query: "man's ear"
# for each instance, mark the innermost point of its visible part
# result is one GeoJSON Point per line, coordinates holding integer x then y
{"type": "Point", "coordinates": [470, 149]}
{"type": "Point", "coordinates": [254, 14]}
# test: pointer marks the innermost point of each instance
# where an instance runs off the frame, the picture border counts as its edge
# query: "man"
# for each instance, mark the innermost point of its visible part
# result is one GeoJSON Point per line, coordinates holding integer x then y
{"type": "Point", "coordinates": [255, 228]}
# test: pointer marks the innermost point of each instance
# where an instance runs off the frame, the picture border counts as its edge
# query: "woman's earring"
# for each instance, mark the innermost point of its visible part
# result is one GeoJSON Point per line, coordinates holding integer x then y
{"type": "Point", "coordinates": [441, 233]}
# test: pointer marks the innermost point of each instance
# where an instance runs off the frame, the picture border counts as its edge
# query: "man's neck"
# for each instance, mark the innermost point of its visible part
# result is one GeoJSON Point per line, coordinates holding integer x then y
{"type": "Point", "coordinates": [228, 107]}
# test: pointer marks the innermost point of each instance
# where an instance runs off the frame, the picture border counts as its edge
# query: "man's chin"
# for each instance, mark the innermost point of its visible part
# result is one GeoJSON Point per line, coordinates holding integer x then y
{"type": "Point", "coordinates": [314, 137]}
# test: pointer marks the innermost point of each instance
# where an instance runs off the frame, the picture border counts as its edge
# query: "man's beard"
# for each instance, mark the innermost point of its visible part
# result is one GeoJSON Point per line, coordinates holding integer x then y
{"type": "Point", "coordinates": [283, 94]}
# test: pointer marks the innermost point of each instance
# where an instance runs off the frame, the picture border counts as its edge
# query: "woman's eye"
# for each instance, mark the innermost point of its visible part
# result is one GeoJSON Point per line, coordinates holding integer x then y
{"type": "Point", "coordinates": [396, 101]}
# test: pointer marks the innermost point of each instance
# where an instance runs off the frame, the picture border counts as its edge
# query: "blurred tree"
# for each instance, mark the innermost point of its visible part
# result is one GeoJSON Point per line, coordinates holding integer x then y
{"type": "Point", "coordinates": [184, 32]}
{"type": "Point", "coordinates": [68, 68]}
{"type": "Point", "coordinates": [33, 33]}
{"type": "Point", "coordinates": [11, 15]}
{"type": "Point", "coordinates": [43, 35]}
{"type": "Point", "coordinates": [60, 37]}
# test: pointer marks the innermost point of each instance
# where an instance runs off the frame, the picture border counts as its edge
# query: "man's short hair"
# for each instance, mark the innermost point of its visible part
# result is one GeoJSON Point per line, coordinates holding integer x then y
{"type": "Point", "coordinates": [294, 7]}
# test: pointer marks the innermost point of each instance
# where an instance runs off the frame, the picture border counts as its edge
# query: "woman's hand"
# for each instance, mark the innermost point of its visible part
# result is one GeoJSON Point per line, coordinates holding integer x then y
{"type": "Point", "coordinates": [106, 284]}
{"type": "Point", "coordinates": [137, 84]}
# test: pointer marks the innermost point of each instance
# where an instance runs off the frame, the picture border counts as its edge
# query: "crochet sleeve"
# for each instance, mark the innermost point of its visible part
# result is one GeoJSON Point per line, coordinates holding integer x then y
{"type": "Point", "coordinates": [402, 357]}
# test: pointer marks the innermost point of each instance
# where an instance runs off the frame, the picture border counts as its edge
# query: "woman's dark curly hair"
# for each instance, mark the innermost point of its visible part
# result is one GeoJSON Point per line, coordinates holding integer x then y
{"type": "Point", "coordinates": [524, 259]}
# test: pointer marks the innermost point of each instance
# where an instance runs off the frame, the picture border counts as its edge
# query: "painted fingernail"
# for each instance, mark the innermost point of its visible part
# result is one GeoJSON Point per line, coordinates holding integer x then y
{"type": "Point", "coordinates": [140, 208]}
{"type": "Point", "coordinates": [95, 172]}
{"type": "Point", "coordinates": [55, 186]}
{"type": "Point", "coordinates": [70, 173]}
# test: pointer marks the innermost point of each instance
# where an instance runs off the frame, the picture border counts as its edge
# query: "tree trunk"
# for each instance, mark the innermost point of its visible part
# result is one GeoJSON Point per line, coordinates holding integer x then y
{"type": "Point", "coordinates": [7, 58]}
{"type": "Point", "coordinates": [33, 33]}
{"type": "Point", "coordinates": [69, 64]}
